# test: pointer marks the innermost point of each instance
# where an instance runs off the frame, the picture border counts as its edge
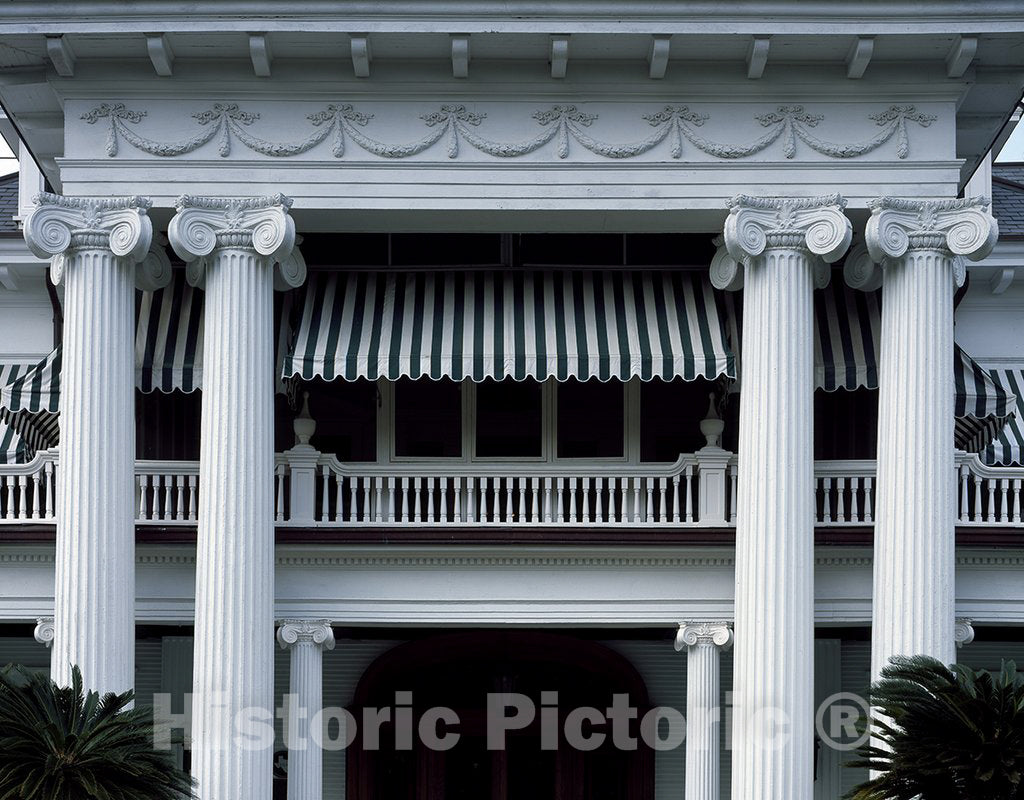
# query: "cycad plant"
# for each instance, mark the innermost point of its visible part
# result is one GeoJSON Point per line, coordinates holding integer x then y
{"type": "Point", "coordinates": [60, 743]}
{"type": "Point", "coordinates": [945, 733]}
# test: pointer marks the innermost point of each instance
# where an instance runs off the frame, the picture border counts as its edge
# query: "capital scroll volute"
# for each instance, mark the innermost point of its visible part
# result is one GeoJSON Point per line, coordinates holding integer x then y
{"type": "Point", "coordinates": [693, 633]}
{"type": "Point", "coordinates": [318, 632]}
{"type": "Point", "coordinates": [263, 224]}
{"type": "Point", "coordinates": [58, 225]}
{"type": "Point", "coordinates": [962, 228]}
{"type": "Point", "coordinates": [814, 224]}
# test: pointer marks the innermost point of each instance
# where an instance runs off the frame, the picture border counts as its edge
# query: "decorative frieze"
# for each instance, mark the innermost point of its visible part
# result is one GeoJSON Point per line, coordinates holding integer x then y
{"type": "Point", "coordinates": [562, 125]}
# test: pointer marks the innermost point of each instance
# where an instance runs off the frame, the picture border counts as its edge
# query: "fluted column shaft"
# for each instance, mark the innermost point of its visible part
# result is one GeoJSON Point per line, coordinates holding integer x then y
{"type": "Point", "coordinates": [782, 242]}
{"type": "Point", "coordinates": [234, 665]}
{"type": "Point", "coordinates": [307, 640]}
{"type": "Point", "coordinates": [97, 244]}
{"type": "Point", "coordinates": [704, 643]}
{"type": "Point", "coordinates": [914, 592]}
{"type": "Point", "coordinates": [914, 550]}
{"type": "Point", "coordinates": [232, 246]}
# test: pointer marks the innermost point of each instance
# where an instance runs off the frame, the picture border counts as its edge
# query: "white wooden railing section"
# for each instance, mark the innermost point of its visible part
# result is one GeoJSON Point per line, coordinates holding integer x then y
{"type": "Point", "coordinates": [312, 489]}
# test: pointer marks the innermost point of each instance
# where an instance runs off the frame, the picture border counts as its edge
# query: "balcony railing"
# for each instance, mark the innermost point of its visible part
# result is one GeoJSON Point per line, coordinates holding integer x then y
{"type": "Point", "coordinates": [312, 489]}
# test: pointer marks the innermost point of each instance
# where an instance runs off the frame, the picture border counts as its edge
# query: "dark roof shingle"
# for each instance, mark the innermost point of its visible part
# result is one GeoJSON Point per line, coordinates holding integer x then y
{"type": "Point", "coordinates": [1008, 199]}
{"type": "Point", "coordinates": [8, 203]}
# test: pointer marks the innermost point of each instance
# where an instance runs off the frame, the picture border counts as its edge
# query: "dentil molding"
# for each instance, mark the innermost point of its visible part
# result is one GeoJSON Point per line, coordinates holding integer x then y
{"type": "Point", "coordinates": [561, 125]}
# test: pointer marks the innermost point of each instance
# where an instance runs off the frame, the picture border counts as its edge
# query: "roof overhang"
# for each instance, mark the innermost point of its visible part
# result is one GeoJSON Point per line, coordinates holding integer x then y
{"type": "Point", "coordinates": [970, 51]}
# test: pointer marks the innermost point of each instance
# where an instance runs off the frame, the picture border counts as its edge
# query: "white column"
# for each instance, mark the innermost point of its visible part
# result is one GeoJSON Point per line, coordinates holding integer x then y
{"type": "Point", "coordinates": [784, 244]}
{"type": "Point", "coordinates": [704, 642]}
{"type": "Point", "coordinates": [918, 243]}
{"type": "Point", "coordinates": [231, 247]}
{"type": "Point", "coordinates": [307, 640]}
{"type": "Point", "coordinates": [95, 245]}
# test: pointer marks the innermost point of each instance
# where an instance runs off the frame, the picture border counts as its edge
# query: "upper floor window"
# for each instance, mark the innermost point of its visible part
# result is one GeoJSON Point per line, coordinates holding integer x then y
{"type": "Point", "coordinates": [509, 419]}
{"type": "Point", "coordinates": [428, 419]}
{"type": "Point", "coordinates": [591, 419]}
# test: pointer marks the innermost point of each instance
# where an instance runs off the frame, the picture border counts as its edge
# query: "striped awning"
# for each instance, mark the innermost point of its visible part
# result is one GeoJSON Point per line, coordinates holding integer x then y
{"type": "Point", "coordinates": [847, 341]}
{"type": "Point", "coordinates": [169, 337]}
{"type": "Point", "coordinates": [515, 324]}
{"type": "Point", "coordinates": [846, 338]}
{"type": "Point", "coordinates": [29, 396]}
{"type": "Point", "coordinates": [1008, 445]}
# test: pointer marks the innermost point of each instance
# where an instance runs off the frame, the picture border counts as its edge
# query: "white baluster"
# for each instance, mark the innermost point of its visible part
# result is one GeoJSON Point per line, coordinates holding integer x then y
{"type": "Point", "coordinates": [661, 495]}
{"type": "Point", "coordinates": [48, 473]}
{"type": "Point", "coordinates": [869, 483]}
{"type": "Point", "coordinates": [572, 500]}
{"type": "Point", "coordinates": [146, 496]}
{"type": "Point", "coordinates": [1004, 501]}
{"type": "Point", "coordinates": [675, 499]}
{"type": "Point", "coordinates": [587, 482]}
{"type": "Point", "coordinates": [978, 514]}
{"type": "Point", "coordinates": [991, 499]}
{"type": "Point", "coordinates": [732, 494]}
{"type": "Point", "coordinates": [8, 501]}
{"type": "Point", "coordinates": [535, 488]}
{"type": "Point", "coordinates": [179, 497]}
{"type": "Point", "coordinates": [430, 499]}
{"type": "Point", "coordinates": [193, 501]}
{"type": "Point", "coordinates": [339, 497]}
{"type": "Point", "coordinates": [37, 505]}
{"type": "Point", "coordinates": [367, 515]}
{"type": "Point", "coordinates": [1016, 501]}
{"type": "Point", "coordinates": [444, 499]}
{"type": "Point", "coordinates": [649, 508]}
{"type": "Point", "coordinates": [168, 497]}
{"type": "Point", "coordinates": [841, 499]}
{"type": "Point", "coordinates": [471, 505]}
{"type": "Point", "coordinates": [612, 492]}
{"type": "Point", "coordinates": [509, 497]}
{"type": "Point", "coordinates": [826, 508]}
{"type": "Point", "coordinates": [485, 483]}
{"type": "Point", "coordinates": [599, 500]}
{"type": "Point", "coordinates": [405, 498]}
{"type": "Point", "coordinates": [689, 493]}
{"type": "Point", "coordinates": [635, 515]}
{"type": "Point", "coordinates": [854, 500]}
{"type": "Point", "coordinates": [458, 499]}
{"type": "Point", "coordinates": [964, 495]}
{"type": "Point", "coordinates": [20, 505]}
{"type": "Point", "coordinates": [523, 516]}
{"type": "Point", "coordinates": [559, 496]}
{"type": "Point", "coordinates": [390, 492]}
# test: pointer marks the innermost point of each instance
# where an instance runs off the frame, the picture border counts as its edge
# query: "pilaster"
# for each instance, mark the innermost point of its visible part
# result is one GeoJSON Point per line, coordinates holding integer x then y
{"type": "Point", "coordinates": [306, 639]}
{"type": "Point", "coordinates": [704, 643]}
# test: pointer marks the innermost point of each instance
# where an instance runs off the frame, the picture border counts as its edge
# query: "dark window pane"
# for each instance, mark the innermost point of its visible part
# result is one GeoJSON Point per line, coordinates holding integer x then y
{"type": "Point", "coordinates": [167, 425]}
{"type": "Point", "coordinates": [589, 249]}
{"type": "Point", "coordinates": [845, 424]}
{"type": "Point", "coordinates": [591, 417]}
{"type": "Point", "coordinates": [670, 415]}
{"type": "Point", "coordinates": [508, 419]}
{"type": "Point", "coordinates": [346, 418]}
{"type": "Point", "coordinates": [428, 418]}
{"type": "Point", "coordinates": [444, 249]}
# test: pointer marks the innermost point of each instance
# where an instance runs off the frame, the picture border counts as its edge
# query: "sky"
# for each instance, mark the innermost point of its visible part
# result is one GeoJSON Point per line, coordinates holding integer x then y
{"type": "Point", "coordinates": [8, 163]}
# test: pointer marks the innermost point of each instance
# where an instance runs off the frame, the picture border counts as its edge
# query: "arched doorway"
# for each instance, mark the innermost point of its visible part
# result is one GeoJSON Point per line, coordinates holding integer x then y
{"type": "Point", "coordinates": [458, 671]}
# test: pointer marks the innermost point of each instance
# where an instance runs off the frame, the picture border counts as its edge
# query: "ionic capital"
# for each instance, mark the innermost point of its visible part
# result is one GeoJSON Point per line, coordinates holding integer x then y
{"type": "Point", "coordinates": [963, 227]}
{"type": "Point", "coordinates": [963, 632]}
{"type": "Point", "coordinates": [305, 631]}
{"type": "Point", "coordinates": [44, 630]}
{"type": "Point", "coordinates": [816, 225]}
{"type": "Point", "coordinates": [59, 225]}
{"type": "Point", "coordinates": [693, 633]}
{"type": "Point", "coordinates": [259, 224]}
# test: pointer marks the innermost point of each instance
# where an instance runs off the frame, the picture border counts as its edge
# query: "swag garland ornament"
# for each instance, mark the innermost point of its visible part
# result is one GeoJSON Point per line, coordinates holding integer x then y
{"type": "Point", "coordinates": [227, 123]}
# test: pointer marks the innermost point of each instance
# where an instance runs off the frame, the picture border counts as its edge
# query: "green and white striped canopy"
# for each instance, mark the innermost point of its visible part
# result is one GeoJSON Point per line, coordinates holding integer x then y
{"type": "Point", "coordinates": [29, 397]}
{"type": "Point", "coordinates": [1008, 446]}
{"type": "Point", "coordinates": [515, 324]}
{"type": "Point", "coordinates": [169, 337]}
{"type": "Point", "coordinates": [847, 341]}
